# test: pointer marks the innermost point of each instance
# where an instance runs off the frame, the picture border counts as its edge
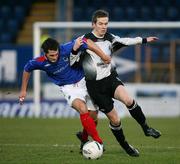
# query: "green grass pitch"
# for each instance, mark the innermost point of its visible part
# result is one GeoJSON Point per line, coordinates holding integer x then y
{"type": "Point", "coordinates": [53, 141]}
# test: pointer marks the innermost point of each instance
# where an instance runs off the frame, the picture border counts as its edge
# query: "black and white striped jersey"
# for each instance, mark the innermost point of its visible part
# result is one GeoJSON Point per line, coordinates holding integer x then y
{"type": "Point", "coordinates": [94, 67]}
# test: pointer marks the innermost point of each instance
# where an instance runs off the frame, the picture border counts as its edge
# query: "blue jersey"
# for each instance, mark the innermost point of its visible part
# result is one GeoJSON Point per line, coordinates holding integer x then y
{"type": "Point", "coordinates": [60, 72]}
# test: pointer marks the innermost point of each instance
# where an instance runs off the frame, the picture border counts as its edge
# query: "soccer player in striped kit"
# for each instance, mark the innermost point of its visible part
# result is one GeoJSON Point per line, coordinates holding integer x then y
{"type": "Point", "coordinates": [103, 83]}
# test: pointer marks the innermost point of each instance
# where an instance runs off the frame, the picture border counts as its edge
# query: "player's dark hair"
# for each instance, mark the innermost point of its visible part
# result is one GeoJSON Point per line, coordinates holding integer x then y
{"type": "Point", "coordinates": [99, 14]}
{"type": "Point", "coordinates": [49, 44]}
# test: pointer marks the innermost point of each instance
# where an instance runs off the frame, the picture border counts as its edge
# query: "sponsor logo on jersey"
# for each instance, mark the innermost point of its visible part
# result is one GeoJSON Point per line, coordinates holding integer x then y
{"type": "Point", "coordinates": [102, 110]}
{"type": "Point", "coordinates": [47, 65]}
{"type": "Point", "coordinates": [61, 69]}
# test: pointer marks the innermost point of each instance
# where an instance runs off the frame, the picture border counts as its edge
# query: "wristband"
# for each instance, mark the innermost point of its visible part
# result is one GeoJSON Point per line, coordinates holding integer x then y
{"type": "Point", "coordinates": [144, 40]}
{"type": "Point", "coordinates": [74, 52]}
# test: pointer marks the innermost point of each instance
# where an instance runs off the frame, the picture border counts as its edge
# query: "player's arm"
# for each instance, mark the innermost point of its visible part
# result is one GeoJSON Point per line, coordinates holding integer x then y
{"type": "Point", "coordinates": [28, 68]}
{"type": "Point", "coordinates": [25, 80]}
{"type": "Point", "coordinates": [92, 46]}
{"type": "Point", "coordinates": [122, 42]}
{"type": "Point", "coordinates": [134, 41]}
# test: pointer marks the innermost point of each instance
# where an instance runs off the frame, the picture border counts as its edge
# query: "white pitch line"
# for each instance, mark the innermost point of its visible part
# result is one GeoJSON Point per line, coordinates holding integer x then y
{"type": "Point", "coordinates": [73, 145]}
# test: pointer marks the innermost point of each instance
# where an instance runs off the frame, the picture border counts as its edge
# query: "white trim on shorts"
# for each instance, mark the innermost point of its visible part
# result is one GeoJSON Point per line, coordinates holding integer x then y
{"type": "Point", "coordinates": [78, 90]}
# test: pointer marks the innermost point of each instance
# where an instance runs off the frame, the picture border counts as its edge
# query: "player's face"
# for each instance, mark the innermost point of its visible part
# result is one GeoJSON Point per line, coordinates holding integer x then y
{"type": "Point", "coordinates": [52, 55]}
{"type": "Point", "coordinates": [100, 27]}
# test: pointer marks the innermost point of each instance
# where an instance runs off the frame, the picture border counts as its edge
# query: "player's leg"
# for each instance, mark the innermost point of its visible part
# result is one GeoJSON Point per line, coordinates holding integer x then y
{"type": "Point", "coordinates": [92, 108]}
{"type": "Point", "coordinates": [135, 111]}
{"type": "Point", "coordinates": [116, 129]}
{"type": "Point", "coordinates": [100, 92]}
{"type": "Point", "coordinates": [75, 95]}
{"type": "Point", "coordinates": [83, 135]}
{"type": "Point", "coordinates": [86, 120]}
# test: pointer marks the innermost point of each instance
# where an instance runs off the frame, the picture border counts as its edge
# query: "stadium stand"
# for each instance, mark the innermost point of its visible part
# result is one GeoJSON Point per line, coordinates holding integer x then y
{"type": "Point", "coordinates": [41, 10]}
{"type": "Point", "coordinates": [125, 10]}
{"type": "Point", "coordinates": [129, 10]}
{"type": "Point", "coordinates": [12, 14]}
{"type": "Point", "coordinates": [135, 10]}
{"type": "Point", "coordinates": [17, 17]}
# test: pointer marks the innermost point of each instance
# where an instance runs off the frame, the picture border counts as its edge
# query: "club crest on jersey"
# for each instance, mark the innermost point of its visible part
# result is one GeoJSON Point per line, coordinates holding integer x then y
{"type": "Point", "coordinates": [65, 59]}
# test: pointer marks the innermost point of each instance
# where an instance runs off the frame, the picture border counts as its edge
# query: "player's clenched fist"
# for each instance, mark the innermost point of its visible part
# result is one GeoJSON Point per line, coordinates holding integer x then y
{"type": "Point", "coordinates": [21, 100]}
{"type": "Point", "coordinates": [22, 97]}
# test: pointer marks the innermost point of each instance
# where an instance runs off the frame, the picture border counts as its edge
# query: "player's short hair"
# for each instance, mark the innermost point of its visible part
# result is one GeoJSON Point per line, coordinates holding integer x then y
{"type": "Point", "coordinates": [99, 14]}
{"type": "Point", "coordinates": [49, 44]}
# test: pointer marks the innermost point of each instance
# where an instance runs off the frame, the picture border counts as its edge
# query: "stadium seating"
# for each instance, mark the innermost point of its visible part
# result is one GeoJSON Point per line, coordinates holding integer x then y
{"type": "Point", "coordinates": [1, 25]}
{"type": "Point", "coordinates": [5, 38]}
{"type": "Point", "coordinates": [12, 14]}
{"type": "Point", "coordinates": [129, 10]}
{"type": "Point", "coordinates": [118, 14]}
{"type": "Point", "coordinates": [146, 14]}
{"type": "Point", "coordinates": [5, 12]}
{"type": "Point", "coordinates": [160, 13]}
{"type": "Point", "coordinates": [13, 27]}
{"type": "Point", "coordinates": [173, 14]}
{"type": "Point", "coordinates": [120, 10]}
{"type": "Point", "coordinates": [19, 13]}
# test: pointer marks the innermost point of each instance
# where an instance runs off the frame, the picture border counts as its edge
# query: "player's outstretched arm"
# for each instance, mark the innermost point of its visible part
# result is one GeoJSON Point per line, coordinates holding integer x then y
{"type": "Point", "coordinates": [93, 47]}
{"type": "Point", "coordinates": [25, 80]}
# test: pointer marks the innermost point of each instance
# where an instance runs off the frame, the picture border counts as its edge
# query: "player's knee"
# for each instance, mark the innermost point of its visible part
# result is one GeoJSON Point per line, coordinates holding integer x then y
{"type": "Point", "coordinates": [115, 121]}
{"type": "Point", "coordinates": [80, 106]}
{"type": "Point", "coordinates": [113, 117]}
{"type": "Point", "coordinates": [83, 108]}
{"type": "Point", "coordinates": [131, 104]}
{"type": "Point", "coordinates": [128, 102]}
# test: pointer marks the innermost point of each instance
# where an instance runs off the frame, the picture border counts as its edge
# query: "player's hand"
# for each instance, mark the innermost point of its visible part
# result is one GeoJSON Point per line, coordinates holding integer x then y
{"type": "Point", "coordinates": [21, 100]}
{"type": "Point", "coordinates": [22, 97]}
{"type": "Point", "coordinates": [78, 43]}
{"type": "Point", "coordinates": [152, 39]}
{"type": "Point", "coordinates": [106, 59]}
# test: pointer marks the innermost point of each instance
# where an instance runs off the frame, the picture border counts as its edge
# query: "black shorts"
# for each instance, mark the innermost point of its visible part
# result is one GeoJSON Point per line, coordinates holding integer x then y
{"type": "Point", "coordinates": [102, 91]}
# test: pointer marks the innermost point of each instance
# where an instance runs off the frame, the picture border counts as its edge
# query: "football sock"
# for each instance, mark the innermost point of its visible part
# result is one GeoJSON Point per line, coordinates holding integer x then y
{"type": "Point", "coordinates": [90, 126]}
{"type": "Point", "coordinates": [85, 134]}
{"type": "Point", "coordinates": [137, 114]}
{"type": "Point", "coordinates": [119, 135]}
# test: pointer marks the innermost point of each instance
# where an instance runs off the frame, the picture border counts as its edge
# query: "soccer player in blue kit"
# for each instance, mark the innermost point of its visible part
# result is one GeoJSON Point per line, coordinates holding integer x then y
{"type": "Point", "coordinates": [56, 63]}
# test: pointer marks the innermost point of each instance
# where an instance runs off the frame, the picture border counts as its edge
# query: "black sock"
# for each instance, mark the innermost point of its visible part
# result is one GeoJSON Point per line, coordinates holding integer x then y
{"type": "Point", "coordinates": [138, 115]}
{"type": "Point", "coordinates": [119, 135]}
